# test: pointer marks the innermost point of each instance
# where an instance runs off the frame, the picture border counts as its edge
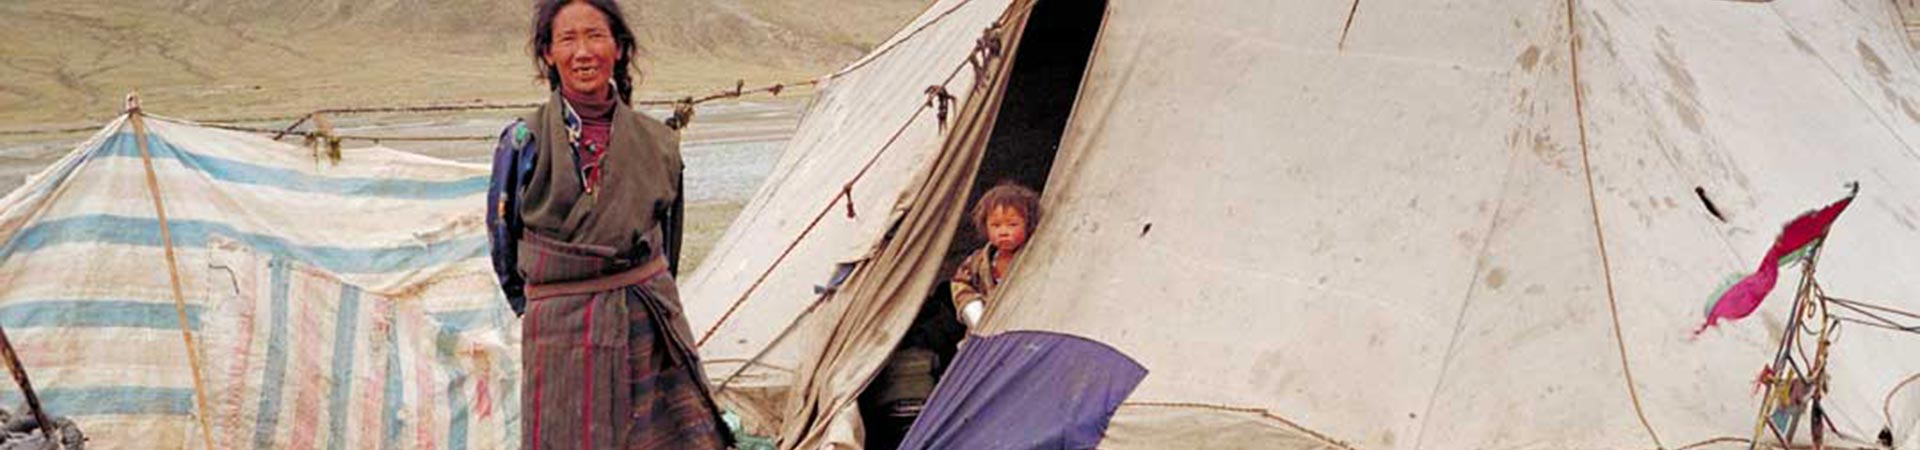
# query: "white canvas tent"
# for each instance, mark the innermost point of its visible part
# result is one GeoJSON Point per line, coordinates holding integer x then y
{"type": "Point", "coordinates": [344, 304]}
{"type": "Point", "coordinates": [1450, 224]}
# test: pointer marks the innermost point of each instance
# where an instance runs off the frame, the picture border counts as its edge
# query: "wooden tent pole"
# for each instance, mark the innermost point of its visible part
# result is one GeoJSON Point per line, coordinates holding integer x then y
{"type": "Point", "coordinates": [173, 267]}
{"type": "Point", "coordinates": [26, 387]}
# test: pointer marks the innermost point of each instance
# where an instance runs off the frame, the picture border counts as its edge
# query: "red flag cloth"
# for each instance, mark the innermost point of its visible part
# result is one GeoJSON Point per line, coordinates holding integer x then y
{"type": "Point", "coordinates": [1745, 296]}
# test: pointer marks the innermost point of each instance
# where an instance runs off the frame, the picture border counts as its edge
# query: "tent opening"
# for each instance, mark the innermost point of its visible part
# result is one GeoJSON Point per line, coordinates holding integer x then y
{"type": "Point", "coordinates": [1048, 66]}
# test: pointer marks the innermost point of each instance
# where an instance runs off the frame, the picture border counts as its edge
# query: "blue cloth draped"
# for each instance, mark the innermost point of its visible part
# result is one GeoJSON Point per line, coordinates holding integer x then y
{"type": "Point", "coordinates": [1026, 390]}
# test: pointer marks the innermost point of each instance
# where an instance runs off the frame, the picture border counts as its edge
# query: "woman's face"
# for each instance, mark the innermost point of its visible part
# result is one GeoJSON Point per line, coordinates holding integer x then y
{"type": "Point", "coordinates": [583, 49]}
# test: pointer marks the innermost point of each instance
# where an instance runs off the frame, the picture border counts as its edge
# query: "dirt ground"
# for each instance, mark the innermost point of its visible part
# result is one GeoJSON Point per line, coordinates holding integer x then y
{"type": "Point", "coordinates": [69, 63]}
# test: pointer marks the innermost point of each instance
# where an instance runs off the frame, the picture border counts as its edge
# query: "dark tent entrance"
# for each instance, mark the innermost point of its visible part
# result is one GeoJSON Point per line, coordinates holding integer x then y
{"type": "Point", "coordinates": [1049, 61]}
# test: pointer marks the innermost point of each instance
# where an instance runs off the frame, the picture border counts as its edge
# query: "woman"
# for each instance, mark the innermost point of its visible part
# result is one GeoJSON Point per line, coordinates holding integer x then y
{"type": "Point", "coordinates": [584, 213]}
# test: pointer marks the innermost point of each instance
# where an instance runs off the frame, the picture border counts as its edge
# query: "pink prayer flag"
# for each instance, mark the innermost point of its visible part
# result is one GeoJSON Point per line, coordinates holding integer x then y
{"type": "Point", "coordinates": [1743, 297]}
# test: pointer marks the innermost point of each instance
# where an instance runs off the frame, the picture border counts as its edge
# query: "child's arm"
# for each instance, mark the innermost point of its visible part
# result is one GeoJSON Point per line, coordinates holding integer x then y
{"type": "Point", "coordinates": [967, 301]}
{"type": "Point", "coordinates": [973, 311]}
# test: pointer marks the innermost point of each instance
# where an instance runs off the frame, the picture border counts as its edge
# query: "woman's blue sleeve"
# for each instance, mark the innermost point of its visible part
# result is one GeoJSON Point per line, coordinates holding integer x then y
{"type": "Point", "coordinates": [512, 161]}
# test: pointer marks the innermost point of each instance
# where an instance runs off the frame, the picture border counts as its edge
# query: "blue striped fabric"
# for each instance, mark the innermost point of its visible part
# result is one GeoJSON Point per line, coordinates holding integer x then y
{"type": "Point", "coordinates": [142, 231]}
{"type": "Point", "coordinates": [296, 343]}
{"type": "Point", "coordinates": [123, 145]}
{"type": "Point", "coordinates": [462, 320]}
{"type": "Point", "coordinates": [390, 411]}
{"type": "Point", "coordinates": [29, 314]}
{"type": "Point", "coordinates": [109, 400]}
{"type": "Point", "coordinates": [342, 367]}
{"type": "Point", "coordinates": [267, 419]}
{"type": "Point", "coordinates": [457, 404]}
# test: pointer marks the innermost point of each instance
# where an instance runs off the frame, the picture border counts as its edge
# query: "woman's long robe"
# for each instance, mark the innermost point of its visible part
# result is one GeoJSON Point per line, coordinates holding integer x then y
{"type": "Point", "coordinates": [607, 356]}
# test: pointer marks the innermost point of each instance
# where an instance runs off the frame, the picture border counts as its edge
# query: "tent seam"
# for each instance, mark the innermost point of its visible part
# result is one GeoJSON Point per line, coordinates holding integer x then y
{"type": "Point", "coordinates": [1351, 13]}
{"type": "Point", "coordinates": [1262, 412]}
{"type": "Point", "coordinates": [1877, 117]}
{"type": "Point", "coordinates": [878, 53]}
{"type": "Point", "coordinates": [1466, 302]}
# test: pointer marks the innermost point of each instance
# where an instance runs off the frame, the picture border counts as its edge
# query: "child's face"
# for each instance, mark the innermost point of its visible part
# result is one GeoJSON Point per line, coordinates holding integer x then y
{"type": "Point", "coordinates": [1006, 229]}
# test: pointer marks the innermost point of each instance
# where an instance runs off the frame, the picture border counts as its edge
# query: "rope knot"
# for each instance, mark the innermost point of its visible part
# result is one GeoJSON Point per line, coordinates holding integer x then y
{"type": "Point", "coordinates": [939, 98]}
{"type": "Point", "coordinates": [324, 144]}
{"type": "Point", "coordinates": [847, 191]}
{"type": "Point", "coordinates": [682, 114]}
{"type": "Point", "coordinates": [985, 49]}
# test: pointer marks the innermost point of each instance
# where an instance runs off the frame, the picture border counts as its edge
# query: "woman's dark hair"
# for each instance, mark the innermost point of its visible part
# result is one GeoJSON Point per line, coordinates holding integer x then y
{"type": "Point", "coordinates": [542, 40]}
{"type": "Point", "coordinates": [1008, 194]}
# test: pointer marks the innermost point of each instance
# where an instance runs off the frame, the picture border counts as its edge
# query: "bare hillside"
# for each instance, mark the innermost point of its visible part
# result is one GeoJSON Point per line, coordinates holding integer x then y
{"type": "Point", "coordinates": [69, 62]}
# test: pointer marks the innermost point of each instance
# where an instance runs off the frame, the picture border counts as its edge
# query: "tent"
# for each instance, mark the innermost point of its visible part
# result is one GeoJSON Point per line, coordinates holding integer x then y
{"type": "Point", "coordinates": [1453, 224]}
{"type": "Point", "coordinates": [333, 304]}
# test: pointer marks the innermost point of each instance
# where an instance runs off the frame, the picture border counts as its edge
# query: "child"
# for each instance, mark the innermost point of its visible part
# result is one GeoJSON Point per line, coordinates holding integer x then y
{"type": "Point", "coordinates": [1005, 217]}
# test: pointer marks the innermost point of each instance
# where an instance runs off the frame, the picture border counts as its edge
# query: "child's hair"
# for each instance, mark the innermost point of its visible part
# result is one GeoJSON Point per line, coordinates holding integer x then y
{"type": "Point", "coordinates": [1011, 195]}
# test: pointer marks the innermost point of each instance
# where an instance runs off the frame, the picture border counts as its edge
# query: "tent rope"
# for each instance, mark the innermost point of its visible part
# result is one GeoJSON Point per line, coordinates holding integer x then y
{"type": "Point", "coordinates": [173, 267]}
{"type": "Point", "coordinates": [1879, 321]}
{"type": "Point", "coordinates": [1861, 304]}
{"type": "Point", "coordinates": [764, 350]}
{"type": "Point", "coordinates": [747, 361]}
{"type": "Point", "coordinates": [1718, 440]}
{"type": "Point", "coordinates": [232, 123]}
{"type": "Point", "coordinates": [682, 113]}
{"type": "Point", "coordinates": [1262, 412]}
{"type": "Point", "coordinates": [59, 130]}
{"type": "Point", "coordinates": [1599, 233]}
{"type": "Point", "coordinates": [888, 48]}
{"type": "Point", "coordinates": [350, 137]}
{"type": "Point", "coordinates": [845, 192]}
{"type": "Point", "coordinates": [1886, 405]}
{"type": "Point", "coordinates": [1740, 440]}
{"type": "Point", "coordinates": [795, 243]}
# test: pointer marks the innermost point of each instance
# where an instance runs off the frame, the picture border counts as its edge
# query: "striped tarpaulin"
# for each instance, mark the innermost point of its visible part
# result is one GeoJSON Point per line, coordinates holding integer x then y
{"type": "Point", "coordinates": [344, 305]}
